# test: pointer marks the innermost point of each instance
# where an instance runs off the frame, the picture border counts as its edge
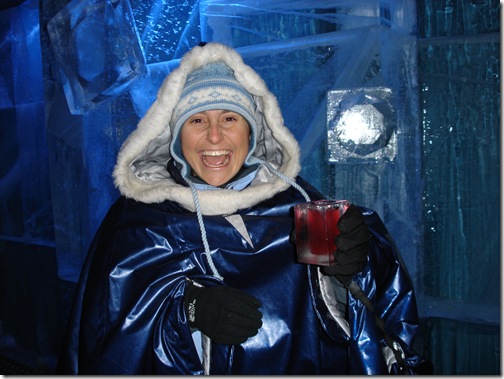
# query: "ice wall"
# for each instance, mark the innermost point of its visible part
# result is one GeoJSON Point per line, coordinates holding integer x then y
{"type": "Point", "coordinates": [459, 76]}
{"type": "Point", "coordinates": [25, 199]}
{"type": "Point", "coordinates": [461, 158]}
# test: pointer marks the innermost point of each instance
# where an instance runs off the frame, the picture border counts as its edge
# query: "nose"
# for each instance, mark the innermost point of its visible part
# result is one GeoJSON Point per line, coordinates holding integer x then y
{"type": "Point", "coordinates": [214, 134]}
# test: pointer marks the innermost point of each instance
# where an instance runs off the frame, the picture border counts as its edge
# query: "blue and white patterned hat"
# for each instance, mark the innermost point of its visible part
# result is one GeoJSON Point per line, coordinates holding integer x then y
{"type": "Point", "coordinates": [211, 87]}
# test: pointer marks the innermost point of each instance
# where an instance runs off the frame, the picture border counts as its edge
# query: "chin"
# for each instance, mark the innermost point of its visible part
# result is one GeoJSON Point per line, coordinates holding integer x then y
{"type": "Point", "coordinates": [216, 183]}
{"type": "Point", "coordinates": [213, 180]}
{"type": "Point", "coordinates": [217, 178]}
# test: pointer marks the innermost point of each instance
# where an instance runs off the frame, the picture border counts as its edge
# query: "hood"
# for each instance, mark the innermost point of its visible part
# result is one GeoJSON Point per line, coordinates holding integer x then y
{"type": "Point", "coordinates": [141, 169]}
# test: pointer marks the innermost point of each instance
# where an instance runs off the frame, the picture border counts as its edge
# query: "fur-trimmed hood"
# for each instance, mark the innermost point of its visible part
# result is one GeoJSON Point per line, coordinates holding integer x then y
{"type": "Point", "coordinates": [141, 169]}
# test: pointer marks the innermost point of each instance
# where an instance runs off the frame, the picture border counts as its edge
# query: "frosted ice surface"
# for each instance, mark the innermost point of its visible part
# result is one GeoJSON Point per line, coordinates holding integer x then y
{"type": "Point", "coordinates": [143, 92]}
{"type": "Point", "coordinates": [361, 125]}
{"type": "Point", "coordinates": [167, 29]}
{"type": "Point", "coordinates": [251, 22]}
{"type": "Point", "coordinates": [97, 49]}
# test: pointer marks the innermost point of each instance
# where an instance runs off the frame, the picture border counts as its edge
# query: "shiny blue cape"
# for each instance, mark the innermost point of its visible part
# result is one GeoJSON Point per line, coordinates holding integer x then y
{"type": "Point", "coordinates": [128, 316]}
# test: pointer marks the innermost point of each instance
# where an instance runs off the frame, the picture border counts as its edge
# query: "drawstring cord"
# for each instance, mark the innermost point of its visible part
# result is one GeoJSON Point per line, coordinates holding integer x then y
{"type": "Point", "coordinates": [285, 178]}
{"type": "Point", "coordinates": [203, 231]}
{"type": "Point", "coordinates": [200, 216]}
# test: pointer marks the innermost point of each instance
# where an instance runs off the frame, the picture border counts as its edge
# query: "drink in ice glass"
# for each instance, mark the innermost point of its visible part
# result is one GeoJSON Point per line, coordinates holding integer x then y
{"type": "Point", "coordinates": [316, 224]}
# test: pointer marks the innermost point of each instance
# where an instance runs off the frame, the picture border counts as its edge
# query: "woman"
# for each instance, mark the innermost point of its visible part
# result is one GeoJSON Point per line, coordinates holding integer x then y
{"type": "Point", "coordinates": [193, 270]}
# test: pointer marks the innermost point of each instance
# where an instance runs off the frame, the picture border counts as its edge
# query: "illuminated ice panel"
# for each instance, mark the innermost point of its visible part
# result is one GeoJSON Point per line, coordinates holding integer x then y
{"type": "Point", "coordinates": [97, 49]}
{"type": "Point", "coordinates": [361, 125]}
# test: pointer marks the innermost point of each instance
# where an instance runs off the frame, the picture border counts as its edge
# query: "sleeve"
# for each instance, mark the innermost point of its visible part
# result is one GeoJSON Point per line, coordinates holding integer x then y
{"type": "Point", "coordinates": [386, 283]}
{"type": "Point", "coordinates": [128, 315]}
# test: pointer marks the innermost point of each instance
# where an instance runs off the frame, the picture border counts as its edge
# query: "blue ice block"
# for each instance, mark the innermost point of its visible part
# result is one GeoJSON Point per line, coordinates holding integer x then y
{"type": "Point", "coordinates": [143, 92]}
{"type": "Point", "coordinates": [361, 125]}
{"type": "Point", "coordinates": [97, 49]}
{"type": "Point", "coordinates": [167, 29]}
{"type": "Point", "coordinates": [25, 195]}
{"type": "Point", "coordinates": [253, 22]}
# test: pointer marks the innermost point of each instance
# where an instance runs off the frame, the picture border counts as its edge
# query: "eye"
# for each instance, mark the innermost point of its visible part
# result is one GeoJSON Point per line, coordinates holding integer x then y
{"type": "Point", "coordinates": [196, 120]}
{"type": "Point", "coordinates": [230, 117]}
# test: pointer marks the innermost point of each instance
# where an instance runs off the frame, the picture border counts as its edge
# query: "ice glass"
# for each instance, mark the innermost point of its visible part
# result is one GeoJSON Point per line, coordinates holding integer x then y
{"type": "Point", "coordinates": [316, 224]}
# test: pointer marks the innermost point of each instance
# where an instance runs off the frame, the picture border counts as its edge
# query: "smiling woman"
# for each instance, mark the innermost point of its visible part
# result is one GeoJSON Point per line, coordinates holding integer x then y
{"type": "Point", "coordinates": [215, 143]}
{"type": "Point", "coordinates": [193, 270]}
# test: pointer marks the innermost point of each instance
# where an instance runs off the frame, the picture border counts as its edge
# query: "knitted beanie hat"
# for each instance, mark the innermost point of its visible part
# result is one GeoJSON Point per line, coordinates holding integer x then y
{"type": "Point", "coordinates": [211, 87]}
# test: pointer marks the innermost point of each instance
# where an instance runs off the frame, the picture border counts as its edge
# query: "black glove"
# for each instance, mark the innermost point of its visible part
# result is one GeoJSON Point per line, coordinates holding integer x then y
{"type": "Point", "coordinates": [352, 246]}
{"type": "Point", "coordinates": [225, 314]}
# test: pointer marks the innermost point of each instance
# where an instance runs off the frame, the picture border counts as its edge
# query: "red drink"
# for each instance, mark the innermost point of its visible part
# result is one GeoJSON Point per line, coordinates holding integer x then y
{"type": "Point", "coordinates": [316, 228]}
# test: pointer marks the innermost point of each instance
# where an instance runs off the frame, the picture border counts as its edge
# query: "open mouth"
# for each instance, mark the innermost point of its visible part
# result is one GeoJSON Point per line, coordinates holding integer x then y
{"type": "Point", "coordinates": [215, 158]}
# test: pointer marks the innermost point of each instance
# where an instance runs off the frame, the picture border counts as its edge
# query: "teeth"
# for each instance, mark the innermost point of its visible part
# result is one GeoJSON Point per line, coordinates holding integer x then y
{"type": "Point", "coordinates": [215, 158]}
{"type": "Point", "coordinates": [215, 153]}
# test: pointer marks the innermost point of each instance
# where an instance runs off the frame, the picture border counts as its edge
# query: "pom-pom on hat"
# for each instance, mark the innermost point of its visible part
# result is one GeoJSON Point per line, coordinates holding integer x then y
{"type": "Point", "coordinates": [211, 87]}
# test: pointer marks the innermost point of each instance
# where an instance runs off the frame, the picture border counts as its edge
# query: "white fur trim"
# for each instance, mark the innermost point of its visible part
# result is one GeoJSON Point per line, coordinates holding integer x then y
{"type": "Point", "coordinates": [155, 125]}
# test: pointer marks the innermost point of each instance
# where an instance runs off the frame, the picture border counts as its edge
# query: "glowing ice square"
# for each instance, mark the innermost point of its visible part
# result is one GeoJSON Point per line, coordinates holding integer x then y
{"type": "Point", "coordinates": [361, 125]}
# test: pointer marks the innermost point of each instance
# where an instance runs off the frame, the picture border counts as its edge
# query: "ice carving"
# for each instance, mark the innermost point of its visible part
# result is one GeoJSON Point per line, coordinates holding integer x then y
{"type": "Point", "coordinates": [253, 22]}
{"type": "Point", "coordinates": [361, 125]}
{"type": "Point", "coordinates": [143, 91]}
{"type": "Point", "coordinates": [97, 49]}
{"type": "Point", "coordinates": [167, 29]}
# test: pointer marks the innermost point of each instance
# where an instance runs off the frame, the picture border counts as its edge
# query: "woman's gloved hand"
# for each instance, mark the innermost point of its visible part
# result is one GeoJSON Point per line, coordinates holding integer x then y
{"type": "Point", "coordinates": [227, 315]}
{"type": "Point", "coordinates": [352, 246]}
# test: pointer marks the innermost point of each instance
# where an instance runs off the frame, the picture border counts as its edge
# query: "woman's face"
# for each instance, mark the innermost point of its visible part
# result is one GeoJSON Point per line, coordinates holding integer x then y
{"type": "Point", "coordinates": [215, 144]}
